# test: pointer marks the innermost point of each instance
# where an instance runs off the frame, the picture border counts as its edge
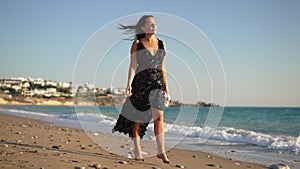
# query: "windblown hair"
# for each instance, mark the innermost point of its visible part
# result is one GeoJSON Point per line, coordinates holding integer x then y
{"type": "Point", "coordinates": [136, 29]}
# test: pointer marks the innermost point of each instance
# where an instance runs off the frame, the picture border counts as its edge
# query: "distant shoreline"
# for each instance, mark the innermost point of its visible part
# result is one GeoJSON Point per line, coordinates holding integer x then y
{"type": "Point", "coordinates": [108, 100]}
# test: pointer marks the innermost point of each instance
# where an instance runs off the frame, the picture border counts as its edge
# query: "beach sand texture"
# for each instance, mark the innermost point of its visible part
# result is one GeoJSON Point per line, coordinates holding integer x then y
{"type": "Point", "coordinates": [27, 143]}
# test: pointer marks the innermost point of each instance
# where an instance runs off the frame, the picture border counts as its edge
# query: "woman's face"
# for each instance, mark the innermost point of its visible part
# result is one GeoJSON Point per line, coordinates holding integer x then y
{"type": "Point", "coordinates": [150, 26]}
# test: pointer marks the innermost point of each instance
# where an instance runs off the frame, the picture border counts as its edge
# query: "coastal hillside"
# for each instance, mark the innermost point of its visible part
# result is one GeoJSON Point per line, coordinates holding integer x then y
{"type": "Point", "coordinates": [108, 100]}
{"type": "Point", "coordinates": [31, 91]}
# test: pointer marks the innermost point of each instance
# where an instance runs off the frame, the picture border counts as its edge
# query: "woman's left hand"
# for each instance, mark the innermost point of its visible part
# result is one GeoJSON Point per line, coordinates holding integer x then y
{"type": "Point", "coordinates": [167, 90]}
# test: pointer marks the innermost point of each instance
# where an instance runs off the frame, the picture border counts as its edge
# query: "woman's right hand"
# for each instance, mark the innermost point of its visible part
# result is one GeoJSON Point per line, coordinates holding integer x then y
{"type": "Point", "coordinates": [128, 90]}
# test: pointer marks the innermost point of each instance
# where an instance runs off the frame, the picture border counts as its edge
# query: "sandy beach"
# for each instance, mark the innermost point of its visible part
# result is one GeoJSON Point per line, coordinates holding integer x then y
{"type": "Point", "coordinates": [27, 143]}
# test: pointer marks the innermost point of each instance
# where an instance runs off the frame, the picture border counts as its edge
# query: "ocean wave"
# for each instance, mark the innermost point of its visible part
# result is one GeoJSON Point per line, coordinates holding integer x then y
{"type": "Point", "coordinates": [233, 135]}
{"type": "Point", "coordinates": [94, 117]}
{"type": "Point", "coordinates": [26, 112]}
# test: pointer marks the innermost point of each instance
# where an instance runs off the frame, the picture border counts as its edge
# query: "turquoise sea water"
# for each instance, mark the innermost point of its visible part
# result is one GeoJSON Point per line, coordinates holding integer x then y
{"type": "Point", "coordinates": [250, 131]}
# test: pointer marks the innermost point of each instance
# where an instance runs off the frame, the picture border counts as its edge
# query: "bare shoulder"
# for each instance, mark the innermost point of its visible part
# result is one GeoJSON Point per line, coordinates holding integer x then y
{"type": "Point", "coordinates": [134, 45]}
{"type": "Point", "coordinates": [135, 42]}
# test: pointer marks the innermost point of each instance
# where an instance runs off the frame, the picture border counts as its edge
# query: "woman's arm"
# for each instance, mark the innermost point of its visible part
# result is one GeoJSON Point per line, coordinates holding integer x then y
{"type": "Point", "coordinates": [132, 67]}
{"type": "Point", "coordinates": [164, 73]}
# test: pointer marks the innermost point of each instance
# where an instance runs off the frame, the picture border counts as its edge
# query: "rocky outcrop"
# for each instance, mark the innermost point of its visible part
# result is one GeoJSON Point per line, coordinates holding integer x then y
{"type": "Point", "coordinates": [279, 166]}
{"type": "Point", "coordinates": [198, 104]}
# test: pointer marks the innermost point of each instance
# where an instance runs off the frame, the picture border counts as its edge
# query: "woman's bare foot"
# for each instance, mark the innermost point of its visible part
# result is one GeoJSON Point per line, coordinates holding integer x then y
{"type": "Point", "coordinates": [138, 156]}
{"type": "Point", "coordinates": [139, 159]}
{"type": "Point", "coordinates": [163, 157]}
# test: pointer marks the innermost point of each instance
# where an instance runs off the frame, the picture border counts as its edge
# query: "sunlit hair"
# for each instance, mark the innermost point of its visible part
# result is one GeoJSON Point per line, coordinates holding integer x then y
{"type": "Point", "coordinates": [136, 29]}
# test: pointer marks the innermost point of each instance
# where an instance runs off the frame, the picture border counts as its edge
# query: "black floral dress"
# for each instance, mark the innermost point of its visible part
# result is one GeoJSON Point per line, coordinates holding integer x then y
{"type": "Point", "coordinates": [148, 91]}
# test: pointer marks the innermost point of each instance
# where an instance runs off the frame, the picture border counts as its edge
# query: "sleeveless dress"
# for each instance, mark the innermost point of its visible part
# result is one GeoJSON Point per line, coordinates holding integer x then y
{"type": "Point", "coordinates": [148, 91]}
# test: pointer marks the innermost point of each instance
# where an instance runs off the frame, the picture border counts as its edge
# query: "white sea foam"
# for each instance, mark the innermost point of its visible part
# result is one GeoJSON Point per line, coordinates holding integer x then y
{"type": "Point", "coordinates": [231, 135]}
{"type": "Point", "coordinates": [25, 112]}
{"type": "Point", "coordinates": [95, 118]}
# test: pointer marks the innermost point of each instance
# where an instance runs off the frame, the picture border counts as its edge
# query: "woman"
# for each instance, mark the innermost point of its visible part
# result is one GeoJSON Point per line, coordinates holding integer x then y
{"type": "Point", "coordinates": [147, 87]}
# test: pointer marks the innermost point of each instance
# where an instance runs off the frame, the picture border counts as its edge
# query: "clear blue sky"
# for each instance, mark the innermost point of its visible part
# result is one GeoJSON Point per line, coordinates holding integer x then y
{"type": "Point", "coordinates": [258, 41]}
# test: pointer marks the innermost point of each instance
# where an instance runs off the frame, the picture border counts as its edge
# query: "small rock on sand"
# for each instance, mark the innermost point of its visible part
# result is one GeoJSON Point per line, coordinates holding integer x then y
{"type": "Point", "coordinates": [208, 156]}
{"type": "Point", "coordinates": [279, 166]}
{"type": "Point", "coordinates": [214, 165]}
{"type": "Point", "coordinates": [127, 155]}
{"type": "Point", "coordinates": [122, 162]}
{"type": "Point", "coordinates": [78, 167]}
{"type": "Point", "coordinates": [195, 156]}
{"type": "Point", "coordinates": [144, 153]}
{"type": "Point", "coordinates": [55, 147]}
{"type": "Point", "coordinates": [155, 168]}
{"type": "Point", "coordinates": [4, 145]}
{"type": "Point", "coordinates": [97, 166]}
{"type": "Point", "coordinates": [23, 125]}
{"type": "Point", "coordinates": [179, 166]}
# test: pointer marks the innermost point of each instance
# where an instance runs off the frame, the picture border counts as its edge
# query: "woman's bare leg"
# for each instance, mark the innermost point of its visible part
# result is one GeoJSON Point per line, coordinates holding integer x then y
{"type": "Point", "coordinates": [158, 116]}
{"type": "Point", "coordinates": [137, 142]}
